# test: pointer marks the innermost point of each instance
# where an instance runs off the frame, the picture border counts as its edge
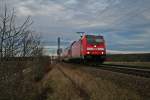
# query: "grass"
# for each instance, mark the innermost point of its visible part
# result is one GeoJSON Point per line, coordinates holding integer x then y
{"type": "Point", "coordinates": [139, 85]}
{"type": "Point", "coordinates": [130, 64]}
{"type": "Point", "coordinates": [61, 87]}
{"type": "Point", "coordinates": [143, 57]}
{"type": "Point", "coordinates": [18, 78]}
{"type": "Point", "coordinates": [96, 88]}
{"type": "Point", "coordinates": [100, 89]}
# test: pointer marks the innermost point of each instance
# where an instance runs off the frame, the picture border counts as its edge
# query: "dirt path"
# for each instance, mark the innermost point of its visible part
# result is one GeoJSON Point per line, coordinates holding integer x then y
{"type": "Point", "coordinates": [82, 92]}
{"type": "Point", "coordinates": [61, 87]}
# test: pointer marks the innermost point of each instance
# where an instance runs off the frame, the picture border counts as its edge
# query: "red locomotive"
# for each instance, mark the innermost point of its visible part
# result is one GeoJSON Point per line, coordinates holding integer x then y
{"type": "Point", "coordinates": [87, 48]}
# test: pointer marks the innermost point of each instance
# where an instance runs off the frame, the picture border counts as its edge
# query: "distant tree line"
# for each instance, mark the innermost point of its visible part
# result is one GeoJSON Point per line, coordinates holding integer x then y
{"type": "Point", "coordinates": [129, 57]}
{"type": "Point", "coordinates": [17, 40]}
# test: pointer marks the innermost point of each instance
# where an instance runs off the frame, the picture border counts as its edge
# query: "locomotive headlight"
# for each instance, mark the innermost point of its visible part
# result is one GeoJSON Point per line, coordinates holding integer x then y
{"type": "Point", "coordinates": [102, 53]}
{"type": "Point", "coordinates": [88, 52]}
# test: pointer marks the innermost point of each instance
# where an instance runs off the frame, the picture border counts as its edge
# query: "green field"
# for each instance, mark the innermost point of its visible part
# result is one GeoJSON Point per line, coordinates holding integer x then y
{"type": "Point", "coordinates": [143, 57]}
{"type": "Point", "coordinates": [131, 64]}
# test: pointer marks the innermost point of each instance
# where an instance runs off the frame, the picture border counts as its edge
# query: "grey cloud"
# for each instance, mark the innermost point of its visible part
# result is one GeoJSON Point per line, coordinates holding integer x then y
{"type": "Point", "coordinates": [115, 19]}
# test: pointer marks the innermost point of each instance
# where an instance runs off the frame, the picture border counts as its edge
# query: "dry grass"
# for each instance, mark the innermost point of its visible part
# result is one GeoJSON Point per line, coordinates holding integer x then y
{"type": "Point", "coordinates": [100, 89]}
{"type": "Point", "coordinates": [61, 87]}
{"type": "Point", "coordinates": [68, 86]}
{"type": "Point", "coordinates": [18, 79]}
{"type": "Point", "coordinates": [139, 85]}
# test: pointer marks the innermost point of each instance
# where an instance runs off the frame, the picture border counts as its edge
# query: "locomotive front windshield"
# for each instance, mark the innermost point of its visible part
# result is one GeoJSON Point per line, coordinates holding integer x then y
{"type": "Point", "coordinates": [94, 39]}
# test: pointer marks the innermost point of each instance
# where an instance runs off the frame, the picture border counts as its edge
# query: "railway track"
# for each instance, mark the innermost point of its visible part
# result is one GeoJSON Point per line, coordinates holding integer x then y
{"type": "Point", "coordinates": [130, 79]}
{"type": "Point", "coordinates": [123, 69]}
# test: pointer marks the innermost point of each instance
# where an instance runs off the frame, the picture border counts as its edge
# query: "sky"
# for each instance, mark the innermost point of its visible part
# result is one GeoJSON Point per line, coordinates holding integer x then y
{"type": "Point", "coordinates": [125, 24]}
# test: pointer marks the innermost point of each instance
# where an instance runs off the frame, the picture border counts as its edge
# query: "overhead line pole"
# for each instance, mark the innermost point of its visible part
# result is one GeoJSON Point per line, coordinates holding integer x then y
{"type": "Point", "coordinates": [58, 50]}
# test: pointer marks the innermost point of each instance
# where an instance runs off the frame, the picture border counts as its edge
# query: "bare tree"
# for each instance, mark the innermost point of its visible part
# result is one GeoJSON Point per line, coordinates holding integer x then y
{"type": "Point", "coordinates": [17, 40]}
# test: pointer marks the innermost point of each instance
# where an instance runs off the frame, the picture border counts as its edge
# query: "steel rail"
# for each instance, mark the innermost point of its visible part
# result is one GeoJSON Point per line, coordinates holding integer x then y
{"type": "Point", "coordinates": [125, 69]}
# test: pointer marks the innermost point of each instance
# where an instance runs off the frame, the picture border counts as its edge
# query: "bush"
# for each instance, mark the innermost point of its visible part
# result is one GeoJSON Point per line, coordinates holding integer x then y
{"type": "Point", "coordinates": [40, 67]}
{"type": "Point", "coordinates": [17, 78]}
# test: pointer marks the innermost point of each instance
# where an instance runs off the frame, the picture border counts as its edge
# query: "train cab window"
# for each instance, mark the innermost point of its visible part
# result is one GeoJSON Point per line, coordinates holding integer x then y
{"type": "Point", "coordinates": [94, 39]}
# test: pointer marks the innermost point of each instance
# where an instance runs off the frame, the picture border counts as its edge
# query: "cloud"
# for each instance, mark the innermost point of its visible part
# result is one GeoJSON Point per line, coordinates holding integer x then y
{"type": "Point", "coordinates": [125, 24]}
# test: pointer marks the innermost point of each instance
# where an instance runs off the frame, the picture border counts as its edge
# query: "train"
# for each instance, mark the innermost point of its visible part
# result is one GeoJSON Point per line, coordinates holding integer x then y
{"type": "Point", "coordinates": [85, 49]}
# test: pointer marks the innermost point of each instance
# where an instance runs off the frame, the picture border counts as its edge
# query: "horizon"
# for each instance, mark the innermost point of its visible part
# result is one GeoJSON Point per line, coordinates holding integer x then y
{"type": "Point", "coordinates": [52, 50]}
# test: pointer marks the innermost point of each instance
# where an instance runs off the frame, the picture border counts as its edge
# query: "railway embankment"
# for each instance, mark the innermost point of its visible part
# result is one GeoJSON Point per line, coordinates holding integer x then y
{"type": "Point", "coordinates": [72, 82]}
{"type": "Point", "coordinates": [139, 84]}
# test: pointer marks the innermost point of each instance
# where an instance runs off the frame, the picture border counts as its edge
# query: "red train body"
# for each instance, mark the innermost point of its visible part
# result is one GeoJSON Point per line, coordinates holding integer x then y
{"type": "Point", "coordinates": [89, 47]}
